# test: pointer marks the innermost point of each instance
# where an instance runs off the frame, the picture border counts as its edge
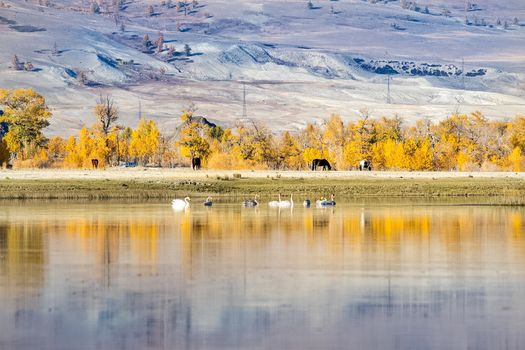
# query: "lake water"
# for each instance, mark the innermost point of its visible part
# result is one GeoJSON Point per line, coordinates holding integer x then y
{"type": "Point", "coordinates": [362, 275]}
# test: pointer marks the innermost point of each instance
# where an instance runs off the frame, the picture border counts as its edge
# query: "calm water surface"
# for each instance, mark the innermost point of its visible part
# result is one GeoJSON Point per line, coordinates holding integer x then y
{"type": "Point", "coordinates": [358, 276]}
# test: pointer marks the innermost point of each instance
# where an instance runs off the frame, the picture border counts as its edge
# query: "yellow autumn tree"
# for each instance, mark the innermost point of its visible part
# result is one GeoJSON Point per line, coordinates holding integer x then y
{"type": "Point", "coordinates": [84, 147]}
{"type": "Point", "coordinates": [56, 150]}
{"type": "Point", "coordinates": [144, 141]}
{"type": "Point", "coordinates": [72, 157]}
{"type": "Point", "coordinates": [422, 158]}
{"type": "Point", "coordinates": [192, 141]}
{"type": "Point", "coordinates": [334, 140]}
{"type": "Point", "coordinates": [360, 141]}
{"type": "Point", "coordinates": [515, 159]}
{"type": "Point", "coordinates": [290, 152]}
{"type": "Point", "coordinates": [27, 114]}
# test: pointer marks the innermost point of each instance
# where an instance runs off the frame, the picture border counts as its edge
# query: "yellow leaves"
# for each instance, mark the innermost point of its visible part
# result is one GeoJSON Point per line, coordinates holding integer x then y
{"type": "Point", "coordinates": [290, 152]}
{"type": "Point", "coordinates": [462, 160]}
{"type": "Point", "coordinates": [423, 157]}
{"type": "Point", "coordinates": [144, 141]}
{"type": "Point", "coordinates": [192, 141]}
{"type": "Point", "coordinates": [27, 114]}
{"type": "Point", "coordinates": [185, 116]}
{"type": "Point", "coordinates": [72, 158]}
{"type": "Point", "coordinates": [353, 153]}
{"type": "Point", "coordinates": [388, 154]}
{"type": "Point", "coordinates": [310, 154]}
{"type": "Point", "coordinates": [517, 132]}
{"type": "Point", "coordinates": [515, 159]}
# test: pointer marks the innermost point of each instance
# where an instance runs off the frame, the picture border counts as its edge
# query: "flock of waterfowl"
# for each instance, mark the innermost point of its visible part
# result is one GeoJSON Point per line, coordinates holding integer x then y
{"type": "Point", "coordinates": [181, 204]}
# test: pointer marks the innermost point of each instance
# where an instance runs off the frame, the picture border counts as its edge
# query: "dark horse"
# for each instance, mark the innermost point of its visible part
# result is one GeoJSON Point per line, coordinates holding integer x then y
{"type": "Point", "coordinates": [196, 163]}
{"type": "Point", "coordinates": [321, 162]}
{"type": "Point", "coordinates": [94, 163]}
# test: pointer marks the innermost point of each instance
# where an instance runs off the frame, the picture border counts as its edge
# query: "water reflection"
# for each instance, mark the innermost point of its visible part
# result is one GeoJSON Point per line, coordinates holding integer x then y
{"type": "Point", "coordinates": [139, 276]}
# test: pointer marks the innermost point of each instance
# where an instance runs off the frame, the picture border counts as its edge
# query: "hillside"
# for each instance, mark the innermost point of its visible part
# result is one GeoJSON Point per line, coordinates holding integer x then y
{"type": "Point", "coordinates": [298, 63]}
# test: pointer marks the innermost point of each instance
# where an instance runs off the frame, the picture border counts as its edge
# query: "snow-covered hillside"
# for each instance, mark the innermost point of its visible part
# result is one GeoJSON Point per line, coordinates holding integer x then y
{"type": "Point", "coordinates": [298, 62]}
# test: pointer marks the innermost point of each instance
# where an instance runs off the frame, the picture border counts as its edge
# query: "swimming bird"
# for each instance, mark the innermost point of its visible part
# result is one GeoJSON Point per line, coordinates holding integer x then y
{"type": "Point", "coordinates": [323, 202]}
{"type": "Point", "coordinates": [307, 203]}
{"type": "Point", "coordinates": [250, 202]}
{"type": "Point", "coordinates": [275, 204]}
{"type": "Point", "coordinates": [287, 204]}
{"type": "Point", "coordinates": [208, 202]}
{"type": "Point", "coordinates": [282, 204]}
{"type": "Point", "coordinates": [179, 204]}
{"type": "Point", "coordinates": [320, 202]}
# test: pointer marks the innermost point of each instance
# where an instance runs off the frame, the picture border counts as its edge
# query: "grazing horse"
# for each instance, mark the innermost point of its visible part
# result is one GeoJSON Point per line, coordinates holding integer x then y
{"type": "Point", "coordinates": [365, 165]}
{"type": "Point", "coordinates": [321, 162]}
{"type": "Point", "coordinates": [94, 163]}
{"type": "Point", "coordinates": [195, 163]}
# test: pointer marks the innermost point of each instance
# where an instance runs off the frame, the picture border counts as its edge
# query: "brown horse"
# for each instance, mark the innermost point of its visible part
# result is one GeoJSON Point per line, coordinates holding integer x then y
{"type": "Point", "coordinates": [94, 163]}
{"type": "Point", "coordinates": [196, 163]}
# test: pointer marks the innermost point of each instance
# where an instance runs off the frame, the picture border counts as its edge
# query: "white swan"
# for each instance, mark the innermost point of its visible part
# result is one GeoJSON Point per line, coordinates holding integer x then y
{"type": "Point", "coordinates": [179, 204]}
{"type": "Point", "coordinates": [208, 202]}
{"type": "Point", "coordinates": [275, 204]}
{"type": "Point", "coordinates": [281, 204]}
{"type": "Point", "coordinates": [287, 204]}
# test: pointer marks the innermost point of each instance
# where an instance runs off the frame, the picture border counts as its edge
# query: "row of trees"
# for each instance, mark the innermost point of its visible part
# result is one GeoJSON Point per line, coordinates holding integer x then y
{"type": "Point", "coordinates": [459, 142]}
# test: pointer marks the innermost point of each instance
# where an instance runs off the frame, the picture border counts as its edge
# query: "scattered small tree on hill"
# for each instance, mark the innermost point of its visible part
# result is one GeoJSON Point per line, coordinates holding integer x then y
{"type": "Point", "coordinates": [146, 41]}
{"type": "Point", "coordinates": [159, 43]}
{"type": "Point", "coordinates": [310, 5]}
{"type": "Point", "coordinates": [94, 8]}
{"type": "Point", "coordinates": [149, 11]}
{"type": "Point", "coordinates": [187, 50]}
{"type": "Point", "coordinates": [171, 51]}
{"type": "Point", "coordinates": [16, 64]}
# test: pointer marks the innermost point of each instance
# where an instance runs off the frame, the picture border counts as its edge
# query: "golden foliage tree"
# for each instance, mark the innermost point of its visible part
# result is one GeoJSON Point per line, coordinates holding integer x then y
{"type": "Point", "coordinates": [192, 141]}
{"type": "Point", "coordinates": [144, 141]}
{"type": "Point", "coordinates": [27, 114]}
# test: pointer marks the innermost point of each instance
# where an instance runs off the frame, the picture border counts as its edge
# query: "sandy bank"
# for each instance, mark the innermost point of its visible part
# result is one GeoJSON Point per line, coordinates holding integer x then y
{"type": "Point", "coordinates": [185, 173]}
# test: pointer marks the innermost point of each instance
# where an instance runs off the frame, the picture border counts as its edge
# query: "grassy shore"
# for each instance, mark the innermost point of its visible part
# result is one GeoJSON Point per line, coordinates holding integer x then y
{"type": "Point", "coordinates": [503, 189]}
